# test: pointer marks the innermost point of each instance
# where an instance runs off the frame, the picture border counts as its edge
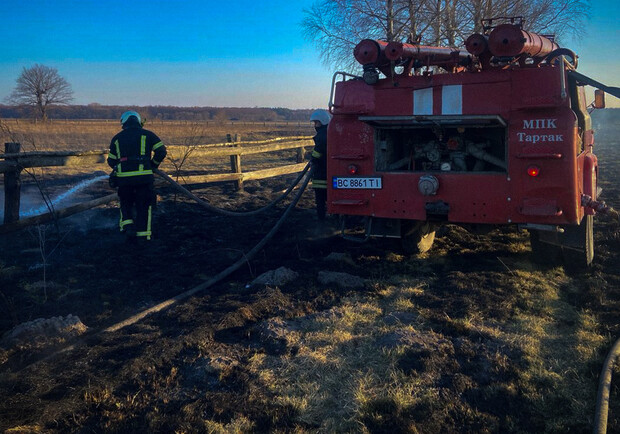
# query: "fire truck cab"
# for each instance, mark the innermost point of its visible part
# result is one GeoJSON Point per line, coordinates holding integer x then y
{"type": "Point", "coordinates": [501, 137]}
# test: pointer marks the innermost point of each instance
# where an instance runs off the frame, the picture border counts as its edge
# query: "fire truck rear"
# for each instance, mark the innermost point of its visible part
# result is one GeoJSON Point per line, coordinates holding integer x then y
{"type": "Point", "coordinates": [498, 135]}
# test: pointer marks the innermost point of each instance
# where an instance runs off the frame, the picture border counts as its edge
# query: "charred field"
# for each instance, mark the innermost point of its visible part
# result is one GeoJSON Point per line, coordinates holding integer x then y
{"type": "Point", "coordinates": [470, 337]}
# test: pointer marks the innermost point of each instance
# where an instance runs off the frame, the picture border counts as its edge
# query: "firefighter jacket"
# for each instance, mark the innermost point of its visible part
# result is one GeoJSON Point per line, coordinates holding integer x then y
{"type": "Point", "coordinates": [319, 158]}
{"type": "Point", "coordinates": [134, 153]}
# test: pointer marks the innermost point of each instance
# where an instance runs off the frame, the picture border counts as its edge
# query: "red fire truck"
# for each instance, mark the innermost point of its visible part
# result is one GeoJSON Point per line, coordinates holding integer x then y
{"type": "Point", "coordinates": [497, 135]}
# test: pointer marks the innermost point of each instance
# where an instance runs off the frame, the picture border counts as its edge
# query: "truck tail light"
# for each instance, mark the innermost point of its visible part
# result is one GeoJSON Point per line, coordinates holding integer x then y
{"type": "Point", "coordinates": [533, 170]}
{"type": "Point", "coordinates": [352, 169]}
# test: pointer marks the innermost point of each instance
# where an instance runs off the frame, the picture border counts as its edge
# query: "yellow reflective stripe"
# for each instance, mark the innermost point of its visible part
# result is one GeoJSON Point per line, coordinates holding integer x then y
{"type": "Point", "coordinates": [148, 222]}
{"type": "Point", "coordinates": [147, 232]}
{"type": "Point", "coordinates": [157, 145]}
{"type": "Point", "coordinates": [111, 156]}
{"type": "Point", "coordinates": [156, 162]}
{"type": "Point", "coordinates": [318, 183]}
{"type": "Point", "coordinates": [135, 173]}
{"type": "Point", "coordinates": [143, 145]}
{"type": "Point", "coordinates": [118, 153]}
{"type": "Point", "coordinates": [316, 154]}
{"type": "Point", "coordinates": [124, 223]}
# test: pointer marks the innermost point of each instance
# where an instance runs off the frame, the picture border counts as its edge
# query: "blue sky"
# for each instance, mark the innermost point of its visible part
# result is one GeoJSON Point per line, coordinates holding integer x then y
{"type": "Point", "coordinates": [205, 52]}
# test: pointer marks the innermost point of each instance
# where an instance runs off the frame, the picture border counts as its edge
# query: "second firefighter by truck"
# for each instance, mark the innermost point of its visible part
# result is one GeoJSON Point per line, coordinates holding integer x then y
{"type": "Point", "coordinates": [321, 119]}
{"type": "Point", "coordinates": [134, 153]}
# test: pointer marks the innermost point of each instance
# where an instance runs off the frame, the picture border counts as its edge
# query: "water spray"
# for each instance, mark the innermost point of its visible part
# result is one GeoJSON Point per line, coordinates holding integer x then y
{"type": "Point", "coordinates": [45, 207]}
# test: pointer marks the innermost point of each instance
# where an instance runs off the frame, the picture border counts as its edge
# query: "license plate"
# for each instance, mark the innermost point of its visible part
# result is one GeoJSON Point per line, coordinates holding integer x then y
{"type": "Point", "coordinates": [356, 183]}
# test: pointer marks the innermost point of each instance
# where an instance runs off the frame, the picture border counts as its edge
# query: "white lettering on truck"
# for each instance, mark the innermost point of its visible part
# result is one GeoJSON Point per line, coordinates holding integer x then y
{"type": "Point", "coordinates": [539, 124]}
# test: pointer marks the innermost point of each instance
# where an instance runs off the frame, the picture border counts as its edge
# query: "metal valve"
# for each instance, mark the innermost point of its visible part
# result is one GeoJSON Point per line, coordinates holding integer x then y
{"type": "Point", "coordinates": [428, 185]}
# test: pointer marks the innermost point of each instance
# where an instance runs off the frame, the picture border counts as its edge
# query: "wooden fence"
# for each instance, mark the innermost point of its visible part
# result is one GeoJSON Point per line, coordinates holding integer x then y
{"type": "Point", "coordinates": [12, 162]}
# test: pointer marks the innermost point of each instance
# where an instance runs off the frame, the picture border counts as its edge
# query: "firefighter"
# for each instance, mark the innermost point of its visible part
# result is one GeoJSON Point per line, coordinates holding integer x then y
{"type": "Point", "coordinates": [134, 153]}
{"type": "Point", "coordinates": [321, 119]}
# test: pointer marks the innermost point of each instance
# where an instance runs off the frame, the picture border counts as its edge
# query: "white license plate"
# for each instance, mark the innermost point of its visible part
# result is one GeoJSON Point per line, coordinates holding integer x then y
{"type": "Point", "coordinates": [358, 182]}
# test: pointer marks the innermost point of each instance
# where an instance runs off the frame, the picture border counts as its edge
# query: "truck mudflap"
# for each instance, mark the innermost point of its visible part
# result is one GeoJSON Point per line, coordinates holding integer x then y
{"type": "Point", "coordinates": [572, 245]}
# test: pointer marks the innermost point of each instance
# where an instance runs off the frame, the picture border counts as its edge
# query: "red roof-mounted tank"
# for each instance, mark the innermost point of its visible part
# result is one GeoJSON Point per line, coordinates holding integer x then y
{"type": "Point", "coordinates": [509, 40]}
{"type": "Point", "coordinates": [477, 44]}
{"type": "Point", "coordinates": [369, 51]}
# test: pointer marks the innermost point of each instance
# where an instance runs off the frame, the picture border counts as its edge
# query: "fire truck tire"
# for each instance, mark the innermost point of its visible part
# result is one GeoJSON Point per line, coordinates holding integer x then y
{"type": "Point", "coordinates": [417, 236]}
{"type": "Point", "coordinates": [544, 252]}
{"type": "Point", "coordinates": [578, 245]}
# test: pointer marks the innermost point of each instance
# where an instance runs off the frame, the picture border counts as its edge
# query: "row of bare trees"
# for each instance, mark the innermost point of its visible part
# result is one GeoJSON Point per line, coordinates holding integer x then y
{"type": "Point", "coordinates": [336, 26]}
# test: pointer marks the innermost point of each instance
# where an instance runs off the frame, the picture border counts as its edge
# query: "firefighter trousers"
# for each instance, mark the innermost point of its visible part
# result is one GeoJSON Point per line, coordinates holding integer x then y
{"type": "Point", "coordinates": [136, 209]}
{"type": "Point", "coordinates": [320, 197]}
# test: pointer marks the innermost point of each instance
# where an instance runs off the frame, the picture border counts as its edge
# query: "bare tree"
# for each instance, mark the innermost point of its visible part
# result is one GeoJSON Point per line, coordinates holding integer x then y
{"type": "Point", "coordinates": [336, 26]}
{"type": "Point", "coordinates": [41, 87]}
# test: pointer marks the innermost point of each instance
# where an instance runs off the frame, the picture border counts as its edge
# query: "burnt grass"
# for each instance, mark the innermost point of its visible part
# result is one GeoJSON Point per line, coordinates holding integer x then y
{"type": "Point", "coordinates": [189, 364]}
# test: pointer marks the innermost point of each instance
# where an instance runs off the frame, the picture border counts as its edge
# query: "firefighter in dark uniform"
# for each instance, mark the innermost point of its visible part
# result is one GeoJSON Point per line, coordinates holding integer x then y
{"type": "Point", "coordinates": [321, 119]}
{"type": "Point", "coordinates": [134, 153]}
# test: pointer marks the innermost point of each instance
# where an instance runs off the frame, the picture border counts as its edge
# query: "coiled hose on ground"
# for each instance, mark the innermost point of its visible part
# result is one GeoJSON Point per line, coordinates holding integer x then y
{"type": "Point", "coordinates": [602, 399]}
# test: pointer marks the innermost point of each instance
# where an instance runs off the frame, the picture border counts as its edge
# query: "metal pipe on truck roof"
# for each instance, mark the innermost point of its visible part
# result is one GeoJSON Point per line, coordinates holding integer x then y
{"type": "Point", "coordinates": [477, 44]}
{"type": "Point", "coordinates": [369, 51]}
{"type": "Point", "coordinates": [397, 50]}
{"type": "Point", "coordinates": [509, 40]}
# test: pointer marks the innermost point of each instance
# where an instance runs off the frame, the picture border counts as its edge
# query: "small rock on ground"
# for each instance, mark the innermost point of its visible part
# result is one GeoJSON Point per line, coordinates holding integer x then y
{"type": "Point", "coordinates": [278, 277]}
{"type": "Point", "coordinates": [343, 280]}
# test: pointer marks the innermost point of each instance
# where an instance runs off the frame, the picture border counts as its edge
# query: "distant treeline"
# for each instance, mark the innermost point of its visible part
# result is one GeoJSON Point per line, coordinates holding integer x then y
{"type": "Point", "coordinates": [249, 114]}
{"type": "Point", "coordinates": [98, 111]}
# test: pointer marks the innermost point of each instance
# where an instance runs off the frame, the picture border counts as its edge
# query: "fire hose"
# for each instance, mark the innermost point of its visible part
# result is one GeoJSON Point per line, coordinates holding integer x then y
{"type": "Point", "coordinates": [216, 210]}
{"type": "Point", "coordinates": [602, 399]}
{"type": "Point", "coordinates": [234, 267]}
{"type": "Point", "coordinates": [208, 283]}
{"type": "Point", "coordinates": [599, 206]}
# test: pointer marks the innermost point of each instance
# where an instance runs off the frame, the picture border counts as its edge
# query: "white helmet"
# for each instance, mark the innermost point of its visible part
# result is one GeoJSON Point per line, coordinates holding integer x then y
{"type": "Point", "coordinates": [125, 117]}
{"type": "Point", "coordinates": [322, 116]}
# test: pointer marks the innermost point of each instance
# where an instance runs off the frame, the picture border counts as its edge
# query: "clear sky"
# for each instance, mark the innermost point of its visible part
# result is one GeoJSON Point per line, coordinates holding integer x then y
{"type": "Point", "coordinates": [204, 52]}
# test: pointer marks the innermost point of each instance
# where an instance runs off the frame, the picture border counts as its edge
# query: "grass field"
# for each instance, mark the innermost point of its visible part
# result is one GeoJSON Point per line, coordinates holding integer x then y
{"type": "Point", "coordinates": [470, 337]}
{"type": "Point", "coordinates": [96, 134]}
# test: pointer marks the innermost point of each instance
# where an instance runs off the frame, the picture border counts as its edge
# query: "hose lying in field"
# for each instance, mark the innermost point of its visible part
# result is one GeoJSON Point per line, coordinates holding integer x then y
{"type": "Point", "coordinates": [216, 210]}
{"type": "Point", "coordinates": [172, 301]}
{"type": "Point", "coordinates": [234, 267]}
{"type": "Point", "coordinates": [602, 400]}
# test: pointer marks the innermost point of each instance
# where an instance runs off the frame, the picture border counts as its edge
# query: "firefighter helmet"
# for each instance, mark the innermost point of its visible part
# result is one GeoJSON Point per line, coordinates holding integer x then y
{"type": "Point", "coordinates": [125, 117]}
{"type": "Point", "coordinates": [322, 116]}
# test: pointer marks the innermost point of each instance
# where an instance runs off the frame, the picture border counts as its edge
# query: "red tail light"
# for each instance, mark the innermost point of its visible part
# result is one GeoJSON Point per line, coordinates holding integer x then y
{"type": "Point", "coordinates": [533, 170]}
{"type": "Point", "coordinates": [352, 169]}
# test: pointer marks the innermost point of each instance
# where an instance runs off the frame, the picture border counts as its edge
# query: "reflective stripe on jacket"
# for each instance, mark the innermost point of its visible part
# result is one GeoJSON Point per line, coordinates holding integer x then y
{"type": "Point", "coordinates": [319, 157]}
{"type": "Point", "coordinates": [134, 152]}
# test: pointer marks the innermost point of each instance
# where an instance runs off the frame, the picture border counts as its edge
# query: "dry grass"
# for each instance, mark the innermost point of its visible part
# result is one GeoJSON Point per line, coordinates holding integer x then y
{"type": "Point", "coordinates": [381, 362]}
{"type": "Point", "coordinates": [96, 134]}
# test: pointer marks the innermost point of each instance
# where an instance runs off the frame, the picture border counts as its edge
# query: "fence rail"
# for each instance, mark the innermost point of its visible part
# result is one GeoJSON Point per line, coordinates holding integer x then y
{"type": "Point", "coordinates": [12, 162]}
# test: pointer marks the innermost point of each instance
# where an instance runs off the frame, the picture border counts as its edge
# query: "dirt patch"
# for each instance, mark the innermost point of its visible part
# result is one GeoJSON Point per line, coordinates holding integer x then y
{"type": "Point", "coordinates": [470, 337]}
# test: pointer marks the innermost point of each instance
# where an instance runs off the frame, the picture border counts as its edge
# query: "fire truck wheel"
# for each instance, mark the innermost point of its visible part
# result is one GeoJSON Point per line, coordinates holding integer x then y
{"type": "Point", "coordinates": [417, 236]}
{"type": "Point", "coordinates": [578, 245]}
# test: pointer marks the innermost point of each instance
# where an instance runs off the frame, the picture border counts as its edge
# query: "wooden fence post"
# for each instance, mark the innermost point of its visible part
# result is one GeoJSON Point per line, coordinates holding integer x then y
{"type": "Point", "coordinates": [235, 160]}
{"type": "Point", "coordinates": [301, 151]}
{"type": "Point", "coordinates": [12, 187]}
